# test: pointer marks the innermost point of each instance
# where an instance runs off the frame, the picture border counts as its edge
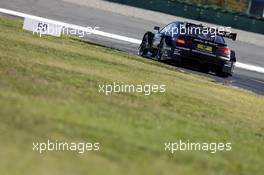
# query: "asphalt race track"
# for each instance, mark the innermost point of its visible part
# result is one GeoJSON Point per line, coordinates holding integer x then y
{"type": "Point", "coordinates": [135, 27]}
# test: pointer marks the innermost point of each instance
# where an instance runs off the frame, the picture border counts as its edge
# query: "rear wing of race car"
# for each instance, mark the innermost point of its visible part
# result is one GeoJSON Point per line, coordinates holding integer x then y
{"type": "Point", "coordinates": [222, 33]}
{"type": "Point", "coordinates": [232, 36]}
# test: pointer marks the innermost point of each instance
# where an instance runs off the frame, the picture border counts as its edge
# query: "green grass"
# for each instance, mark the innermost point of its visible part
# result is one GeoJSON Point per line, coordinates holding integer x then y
{"type": "Point", "coordinates": [49, 90]}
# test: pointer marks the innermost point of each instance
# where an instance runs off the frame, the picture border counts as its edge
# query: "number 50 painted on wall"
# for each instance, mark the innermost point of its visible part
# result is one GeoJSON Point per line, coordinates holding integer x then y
{"type": "Point", "coordinates": [42, 28]}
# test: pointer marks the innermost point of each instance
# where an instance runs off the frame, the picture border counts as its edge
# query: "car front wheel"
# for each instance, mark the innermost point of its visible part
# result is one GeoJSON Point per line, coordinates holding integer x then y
{"type": "Point", "coordinates": [160, 51]}
{"type": "Point", "coordinates": [143, 48]}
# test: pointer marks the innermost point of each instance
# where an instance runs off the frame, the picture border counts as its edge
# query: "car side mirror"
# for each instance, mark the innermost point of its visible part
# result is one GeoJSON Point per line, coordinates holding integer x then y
{"type": "Point", "coordinates": [157, 28]}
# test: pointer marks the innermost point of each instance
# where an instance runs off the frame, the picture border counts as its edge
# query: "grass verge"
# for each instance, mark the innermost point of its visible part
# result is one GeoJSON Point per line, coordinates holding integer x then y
{"type": "Point", "coordinates": [49, 90]}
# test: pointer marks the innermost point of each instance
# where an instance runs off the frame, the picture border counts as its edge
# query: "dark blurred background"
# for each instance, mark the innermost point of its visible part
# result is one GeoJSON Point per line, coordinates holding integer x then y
{"type": "Point", "coordinates": [250, 7]}
{"type": "Point", "coordinates": [246, 15]}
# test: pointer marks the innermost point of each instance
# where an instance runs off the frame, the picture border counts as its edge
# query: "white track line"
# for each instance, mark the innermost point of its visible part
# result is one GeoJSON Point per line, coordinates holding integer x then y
{"type": "Point", "coordinates": [108, 35]}
{"type": "Point", "coordinates": [250, 67]}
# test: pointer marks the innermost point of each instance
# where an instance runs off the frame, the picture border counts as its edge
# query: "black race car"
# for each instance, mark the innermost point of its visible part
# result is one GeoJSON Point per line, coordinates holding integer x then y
{"type": "Point", "coordinates": [180, 41]}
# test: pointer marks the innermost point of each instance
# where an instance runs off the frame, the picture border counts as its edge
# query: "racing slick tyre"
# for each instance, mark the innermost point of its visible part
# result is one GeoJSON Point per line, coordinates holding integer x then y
{"type": "Point", "coordinates": [225, 74]}
{"type": "Point", "coordinates": [143, 48]}
{"type": "Point", "coordinates": [160, 51]}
